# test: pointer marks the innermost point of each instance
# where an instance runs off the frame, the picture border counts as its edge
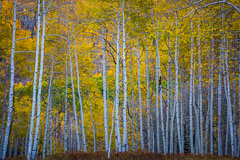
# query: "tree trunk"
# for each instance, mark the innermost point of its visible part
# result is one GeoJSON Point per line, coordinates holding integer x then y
{"type": "Point", "coordinates": [79, 95]}
{"type": "Point", "coordinates": [66, 109]}
{"type": "Point", "coordinates": [125, 136]}
{"type": "Point", "coordinates": [47, 114]}
{"type": "Point", "coordinates": [133, 106]}
{"type": "Point", "coordinates": [176, 102]}
{"type": "Point", "coordinates": [36, 136]}
{"type": "Point", "coordinates": [73, 92]}
{"type": "Point", "coordinates": [211, 102]}
{"type": "Point", "coordinates": [148, 103]}
{"type": "Point", "coordinates": [140, 98]}
{"type": "Point", "coordinates": [200, 88]}
{"type": "Point", "coordinates": [32, 116]}
{"type": "Point", "coordinates": [10, 107]}
{"type": "Point", "coordinates": [104, 93]}
{"type": "Point", "coordinates": [117, 125]}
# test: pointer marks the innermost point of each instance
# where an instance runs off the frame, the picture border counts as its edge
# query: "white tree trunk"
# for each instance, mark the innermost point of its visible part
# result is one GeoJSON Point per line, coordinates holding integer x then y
{"type": "Point", "coordinates": [125, 136]}
{"type": "Point", "coordinates": [104, 93]}
{"type": "Point", "coordinates": [117, 125]}
{"type": "Point", "coordinates": [73, 93]}
{"type": "Point", "coordinates": [176, 102]}
{"type": "Point", "coordinates": [190, 92]}
{"type": "Point", "coordinates": [66, 109]}
{"type": "Point", "coordinates": [211, 102]}
{"type": "Point", "coordinates": [229, 106]}
{"type": "Point", "coordinates": [200, 89]}
{"type": "Point", "coordinates": [47, 114]}
{"type": "Point", "coordinates": [133, 106]}
{"type": "Point", "coordinates": [220, 101]}
{"type": "Point", "coordinates": [32, 116]}
{"type": "Point", "coordinates": [157, 97]}
{"type": "Point", "coordinates": [79, 95]}
{"type": "Point", "coordinates": [168, 99]}
{"type": "Point", "coordinates": [110, 138]}
{"type": "Point", "coordinates": [148, 103]}
{"type": "Point", "coordinates": [140, 98]}
{"type": "Point", "coordinates": [36, 136]}
{"type": "Point", "coordinates": [10, 107]}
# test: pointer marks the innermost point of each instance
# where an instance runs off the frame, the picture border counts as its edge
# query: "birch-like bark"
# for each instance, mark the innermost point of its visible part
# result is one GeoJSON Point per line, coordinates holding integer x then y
{"type": "Point", "coordinates": [117, 125]}
{"type": "Point", "coordinates": [207, 118]}
{"type": "Point", "coordinates": [157, 97]}
{"type": "Point", "coordinates": [229, 106]}
{"type": "Point", "coordinates": [110, 138]}
{"type": "Point", "coordinates": [133, 106]}
{"type": "Point", "coordinates": [73, 92]}
{"type": "Point", "coordinates": [125, 136]}
{"type": "Point", "coordinates": [10, 107]}
{"type": "Point", "coordinates": [161, 103]}
{"type": "Point", "coordinates": [148, 103]}
{"type": "Point", "coordinates": [140, 98]}
{"type": "Point", "coordinates": [176, 102]}
{"type": "Point", "coordinates": [34, 84]}
{"type": "Point", "coordinates": [36, 136]}
{"type": "Point", "coordinates": [211, 102]}
{"type": "Point", "coordinates": [47, 114]}
{"type": "Point", "coordinates": [79, 95]}
{"type": "Point", "coordinates": [104, 92]}
{"type": "Point", "coordinates": [197, 134]}
{"type": "Point", "coordinates": [200, 88]}
{"type": "Point", "coordinates": [190, 92]}
{"type": "Point", "coordinates": [220, 101]}
{"type": "Point", "coordinates": [66, 108]}
{"type": "Point", "coordinates": [168, 99]}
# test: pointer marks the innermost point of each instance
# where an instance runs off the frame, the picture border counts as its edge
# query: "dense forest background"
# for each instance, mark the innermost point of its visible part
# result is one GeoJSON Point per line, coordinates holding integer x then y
{"type": "Point", "coordinates": [104, 75]}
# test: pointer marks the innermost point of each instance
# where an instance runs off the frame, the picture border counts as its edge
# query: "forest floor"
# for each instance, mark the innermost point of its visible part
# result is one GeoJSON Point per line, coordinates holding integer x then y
{"type": "Point", "coordinates": [127, 156]}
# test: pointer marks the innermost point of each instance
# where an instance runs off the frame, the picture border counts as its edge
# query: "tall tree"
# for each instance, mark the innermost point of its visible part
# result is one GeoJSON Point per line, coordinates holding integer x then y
{"type": "Point", "coordinates": [11, 94]}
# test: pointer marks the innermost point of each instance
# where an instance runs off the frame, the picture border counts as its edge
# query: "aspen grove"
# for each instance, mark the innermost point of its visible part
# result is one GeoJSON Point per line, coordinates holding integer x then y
{"type": "Point", "coordinates": [114, 76]}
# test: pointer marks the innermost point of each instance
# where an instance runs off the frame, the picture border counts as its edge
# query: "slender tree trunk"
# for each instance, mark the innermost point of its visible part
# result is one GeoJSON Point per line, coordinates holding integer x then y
{"type": "Point", "coordinates": [200, 88]}
{"type": "Point", "coordinates": [207, 118]}
{"type": "Point", "coordinates": [10, 107]}
{"type": "Point", "coordinates": [79, 95]}
{"type": "Point", "coordinates": [104, 92]}
{"type": "Point", "coordinates": [157, 97]}
{"type": "Point", "coordinates": [66, 108]}
{"type": "Point", "coordinates": [176, 102]}
{"type": "Point", "coordinates": [148, 103]}
{"type": "Point", "coordinates": [110, 138]}
{"type": "Point", "coordinates": [133, 106]}
{"type": "Point", "coordinates": [227, 135]}
{"type": "Point", "coordinates": [229, 106]}
{"type": "Point", "coordinates": [220, 102]}
{"type": "Point", "coordinates": [140, 98]}
{"type": "Point", "coordinates": [168, 103]}
{"type": "Point", "coordinates": [36, 136]}
{"type": "Point", "coordinates": [117, 125]}
{"type": "Point", "coordinates": [34, 84]}
{"type": "Point", "coordinates": [73, 92]}
{"type": "Point", "coordinates": [211, 102]}
{"type": "Point", "coordinates": [125, 136]}
{"type": "Point", "coordinates": [47, 114]}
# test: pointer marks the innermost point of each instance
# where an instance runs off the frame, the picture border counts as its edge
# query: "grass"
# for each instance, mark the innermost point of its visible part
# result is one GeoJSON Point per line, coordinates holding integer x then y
{"type": "Point", "coordinates": [127, 156]}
